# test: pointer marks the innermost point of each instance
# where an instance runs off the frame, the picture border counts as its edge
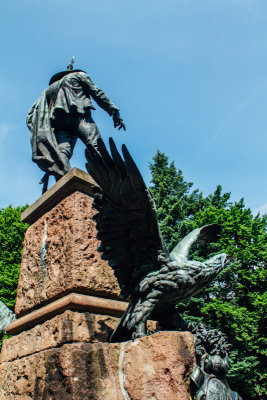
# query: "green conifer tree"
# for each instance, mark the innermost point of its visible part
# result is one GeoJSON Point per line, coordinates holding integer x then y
{"type": "Point", "coordinates": [176, 205]}
{"type": "Point", "coordinates": [236, 302]}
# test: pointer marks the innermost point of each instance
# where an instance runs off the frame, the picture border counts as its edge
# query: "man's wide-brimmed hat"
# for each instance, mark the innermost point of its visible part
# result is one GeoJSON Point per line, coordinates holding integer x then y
{"type": "Point", "coordinates": [60, 75]}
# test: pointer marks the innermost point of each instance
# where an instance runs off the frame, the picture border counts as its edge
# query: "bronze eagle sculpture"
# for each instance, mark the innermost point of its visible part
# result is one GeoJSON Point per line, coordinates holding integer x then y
{"type": "Point", "coordinates": [154, 279]}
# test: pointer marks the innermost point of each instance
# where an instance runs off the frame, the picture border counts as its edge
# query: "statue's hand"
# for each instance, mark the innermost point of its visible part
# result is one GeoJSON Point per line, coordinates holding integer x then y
{"type": "Point", "coordinates": [118, 121]}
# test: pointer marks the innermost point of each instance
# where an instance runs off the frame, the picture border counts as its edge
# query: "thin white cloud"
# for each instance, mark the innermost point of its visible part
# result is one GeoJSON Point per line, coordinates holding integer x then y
{"type": "Point", "coordinates": [262, 209]}
{"type": "Point", "coordinates": [242, 104]}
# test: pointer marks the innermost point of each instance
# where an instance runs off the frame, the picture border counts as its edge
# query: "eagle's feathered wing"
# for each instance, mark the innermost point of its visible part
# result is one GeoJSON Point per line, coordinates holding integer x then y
{"type": "Point", "coordinates": [126, 221]}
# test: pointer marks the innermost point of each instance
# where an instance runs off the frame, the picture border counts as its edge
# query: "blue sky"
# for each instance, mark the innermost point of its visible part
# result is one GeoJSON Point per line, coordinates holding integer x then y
{"type": "Point", "coordinates": [189, 76]}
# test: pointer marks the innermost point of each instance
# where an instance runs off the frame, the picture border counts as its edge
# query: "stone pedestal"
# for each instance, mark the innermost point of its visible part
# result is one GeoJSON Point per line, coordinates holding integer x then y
{"type": "Point", "coordinates": [63, 365]}
{"type": "Point", "coordinates": [67, 306]}
{"type": "Point", "coordinates": [60, 250]}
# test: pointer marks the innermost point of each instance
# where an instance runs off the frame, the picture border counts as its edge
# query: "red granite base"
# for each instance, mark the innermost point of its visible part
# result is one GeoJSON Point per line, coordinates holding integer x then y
{"type": "Point", "coordinates": [60, 254]}
{"type": "Point", "coordinates": [155, 367]}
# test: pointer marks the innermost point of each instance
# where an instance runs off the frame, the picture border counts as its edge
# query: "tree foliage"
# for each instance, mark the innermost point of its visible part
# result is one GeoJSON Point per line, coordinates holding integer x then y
{"type": "Point", "coordinates": [236, 302]}
{"type": "Point", "coordinates": [176, 205]}
{"type": "Point", "coordinates": [12, 232]}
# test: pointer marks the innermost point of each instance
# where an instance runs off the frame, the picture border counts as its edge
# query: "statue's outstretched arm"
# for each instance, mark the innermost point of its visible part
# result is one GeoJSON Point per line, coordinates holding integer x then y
{"type": "Point", "coordinates": [104, 102]}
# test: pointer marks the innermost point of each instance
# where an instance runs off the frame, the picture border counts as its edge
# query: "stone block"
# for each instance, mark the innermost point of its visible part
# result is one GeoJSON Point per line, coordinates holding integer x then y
{"type": "Point", "coordinates": [69, 327]}
{"type": "Point", "coordinates": [73, 301]}
{"type": "Point", "coordinates": [75, 180]}
{"type": "Point", "coordinates": [60, 256]}
{"type": "Point", "coordinates": [155, 367]}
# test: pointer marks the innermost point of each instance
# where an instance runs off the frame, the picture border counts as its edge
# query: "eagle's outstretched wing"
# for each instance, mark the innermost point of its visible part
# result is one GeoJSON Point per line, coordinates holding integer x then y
{"type": "Point", "coordinates": [126, 220]}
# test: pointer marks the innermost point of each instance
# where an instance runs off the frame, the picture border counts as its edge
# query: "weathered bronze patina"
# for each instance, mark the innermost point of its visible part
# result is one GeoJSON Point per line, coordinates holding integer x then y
{"type": "Point", "coordinates": [209, 378]}
{"type": "Point", "coordinates": [63, 114]}
{"type": "Point", "coordinates": [127, 225]}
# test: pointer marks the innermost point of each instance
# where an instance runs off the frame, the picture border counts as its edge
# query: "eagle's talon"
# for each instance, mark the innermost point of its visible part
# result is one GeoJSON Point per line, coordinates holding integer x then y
{"type": "Point", "coordinates": [137, 335]}
{"type": "Point", "coordinates": [151, 331]}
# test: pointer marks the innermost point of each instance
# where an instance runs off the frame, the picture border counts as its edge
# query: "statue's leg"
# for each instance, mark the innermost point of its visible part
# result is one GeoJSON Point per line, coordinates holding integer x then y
{"type": "Point", "coordinates": [66, 142]}
{"type": "Point", "coordinates": [88, 131]}
{"type": "Point", "coordinates": [44, 181]}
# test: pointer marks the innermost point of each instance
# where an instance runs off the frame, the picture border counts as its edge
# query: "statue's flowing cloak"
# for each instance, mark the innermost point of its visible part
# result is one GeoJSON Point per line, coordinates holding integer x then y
{"type": "Point", "coordinates": [70, 95]}
{"type": "Point", "coordinates": [45, 152]}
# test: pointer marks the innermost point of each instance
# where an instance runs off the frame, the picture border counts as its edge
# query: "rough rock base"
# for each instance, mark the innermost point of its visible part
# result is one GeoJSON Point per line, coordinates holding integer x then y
{"type": "Point", "coordinates": [60, 257]}
{"type": "Point", "coordinates": [155, 367]}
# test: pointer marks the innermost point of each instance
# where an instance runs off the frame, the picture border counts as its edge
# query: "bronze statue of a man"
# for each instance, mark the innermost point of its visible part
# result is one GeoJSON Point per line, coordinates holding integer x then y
{"type": "Point", "coordinates": [62, 115]}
